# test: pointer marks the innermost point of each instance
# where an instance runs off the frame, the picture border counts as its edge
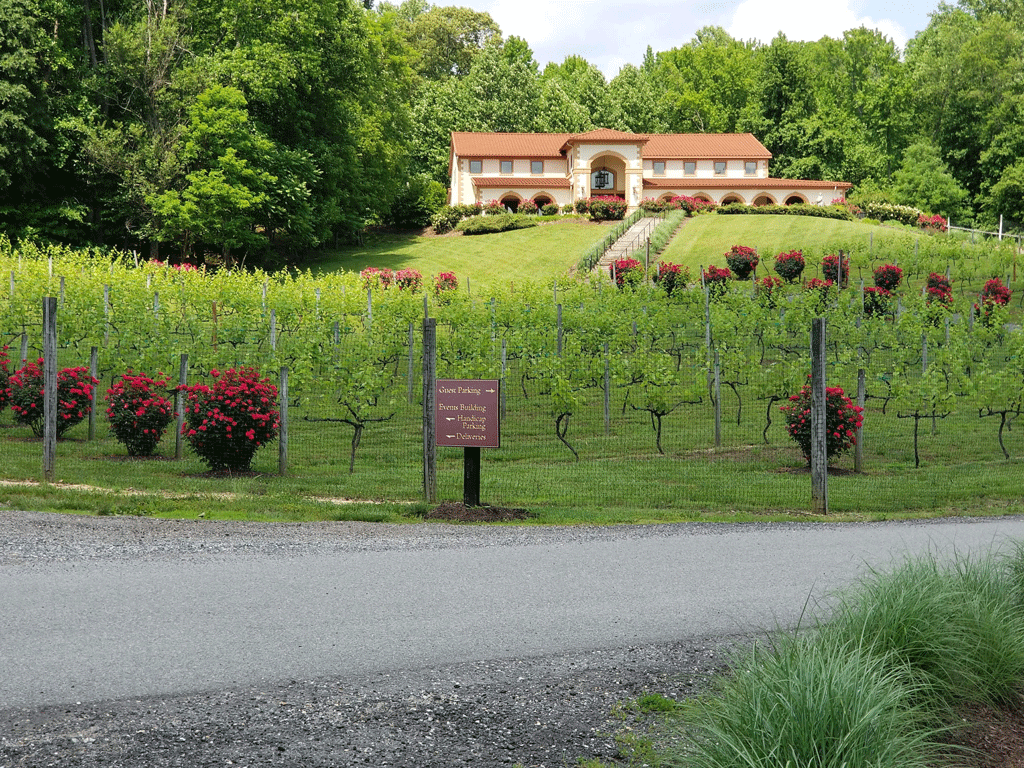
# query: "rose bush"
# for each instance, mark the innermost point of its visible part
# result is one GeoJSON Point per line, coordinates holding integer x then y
{"type": "Point", "coordinates": [842, 419]}
{"type": "Point", "coordinates": [74, 396]}
{"type": "Point", "coordinates": [994, 294]}
{"type": "Point", "coordinates": [138, 414]}
{"type": "Point", "coordinates": [227, 423]}
{"type": "Point", "coordinates": [768, 290]}
{"type": "Point", "coordinates": [877, 301]}
{"type": "Point", "coordinates": [742, 260]}
{"type": "Point", "coordinates": [444, 282]}
{"type": "Point", "coordinates": [408, 280]}
{"type": "Point", "coordinates": [716, 280]}
{"type": "Point", "coordinates": [789, 265]}
{"type": "Point", "coordinates": [671, 277]}
{"type": "Point", "coordinates": [376, 278]}
{"type": "Point", "coordinates": [830, 266]}
{"type": "Point", "coordinates": [627, 272]}
{"type": "Point", "coordinates": [888, 277]}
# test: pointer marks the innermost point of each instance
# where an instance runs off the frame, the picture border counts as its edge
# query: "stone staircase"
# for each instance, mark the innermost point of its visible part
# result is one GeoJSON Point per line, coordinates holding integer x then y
{"type": "Point", "coordinates": [633, 239]}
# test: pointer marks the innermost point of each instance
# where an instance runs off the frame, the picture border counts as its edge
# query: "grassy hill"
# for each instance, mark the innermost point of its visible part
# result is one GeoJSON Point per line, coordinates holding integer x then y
{"type": "Point", "coordinates": [549, 251]}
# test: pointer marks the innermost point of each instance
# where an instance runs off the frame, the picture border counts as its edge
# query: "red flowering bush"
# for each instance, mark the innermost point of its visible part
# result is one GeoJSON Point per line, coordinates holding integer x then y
{"type": "Point", "coordinates": [877, 301]}
{"type": "Point", "coordinates": [74, 396]}
{"type": "Point", "coordinates": [692, 205]}
{"type": "Point", "coordinates": [493, 208]}
{"type": "Point", "coordinates": [821, 287]}
{"type": "Point", "coordinates": [768, 290]}
{"type": "Point", "coordinates": [790, 265]}
{"type": "Point", "coordinates": [671, 276]}
{"type": "Point", "coordinates": [5, 376]}
{"type": "Point", "coordinates": [993, 294]}
{"type": "Point", "coordinates": [627, 272]}
{"type": "Point", "coordinates": [376, 278]}
{"type": "Point", "coordinates": [528, 207]}
{"type": "Point", "coordinates": [408, 280]}
{"type": "Point", "coordinates": [606, 208]}
{"type": "Point", "coordinates": [716, 280]}
{"type": "Point", "coordinates": [138, 415]}
{"type": "Point", "coordinates": [939, 289]}
{"type": "Point", "coordinates": [444, 282]}
{"type": "Point", "coordinates": [842, 419]}
{"type": "Point", "coordinates": [227, 423]}
{"type": "Point", "coordinates": [888, 277]}
{"type": "Point", "coordinates": [742, 260]}
{"type": "Point", "coordinates": [932, 223]}
{"type": "Point", "coordinates": [830, 268]}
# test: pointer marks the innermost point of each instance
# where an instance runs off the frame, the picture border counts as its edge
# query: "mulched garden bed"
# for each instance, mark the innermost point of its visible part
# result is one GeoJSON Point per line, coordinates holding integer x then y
{"type": "Point", "coordinates": [456, 511]}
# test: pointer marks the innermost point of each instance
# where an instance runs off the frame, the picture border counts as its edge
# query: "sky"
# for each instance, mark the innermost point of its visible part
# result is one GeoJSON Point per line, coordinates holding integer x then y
{"type": "Point", "coordinates": [610, 34]}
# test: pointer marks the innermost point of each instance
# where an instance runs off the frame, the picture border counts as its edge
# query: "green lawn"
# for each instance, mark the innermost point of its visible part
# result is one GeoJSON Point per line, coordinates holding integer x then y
{"type": "Point", "coordinates": [539, 254]}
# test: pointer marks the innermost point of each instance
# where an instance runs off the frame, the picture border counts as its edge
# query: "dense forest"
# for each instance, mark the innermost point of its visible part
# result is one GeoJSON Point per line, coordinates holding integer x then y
{"type": "Point", "coordinates": [262, 129]}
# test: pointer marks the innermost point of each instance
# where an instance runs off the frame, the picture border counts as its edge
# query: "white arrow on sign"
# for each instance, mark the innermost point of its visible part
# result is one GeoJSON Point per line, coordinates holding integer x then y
{"type": "Point", "coordinates": [490, 390]}
{"type": "Point", "coordinates": [449, 418]}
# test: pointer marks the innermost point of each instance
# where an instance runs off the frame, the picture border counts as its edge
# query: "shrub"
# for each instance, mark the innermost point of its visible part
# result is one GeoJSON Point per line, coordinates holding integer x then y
{"type": "Point", "coordinates": [138, 416]}
{"type": "Point", "coordinates": [877, 301]}
{"type": "Point", "coordinates": [671, 276]}
{"type": "Point", "coordinates": [830, 266]}
{"type": "Point", "coordinates": [883, 211]}
{"type": "Point", "coordinates": [627, 272]}
{"type": "Point", "coordinates": [938, 290]}
{"type": "Point", "coordinates": [445, 219]}
{"type": "Point", "coordinates": [568, 208]}
{"type": "Point", "coordinates": [888, 277]}
{"type": "Point", "coordinates": [693, 205]}
{"type": "Point", "coordinates": [493, 208]}
{"type": "Point", "coordinates": [74, 396]}
{"type": "Point", "coordinates": [489, 225]}
{"type": "Point", "coordinates": [716, 280]}
{"type": "Point", "coordinates": [550, 209]}
{"type": "Point", "coordinates": [408, 280]}
{"type": "Point", "coordinates": [227, 423]}
{"type": "Point", "coordinates": [742, 260]}
{"type": "Point", "coordinates": [651, 205]}
{"type": "Point", "coordinates": [376, 278]}
{"type": "Point", "coordinates": [800, 209]}
{"type": "Point", "coordinates": [768, 290]}
{"type": "Point", "coordinates": [994, 294]}
{"type": "Point", "coordinates": [821, 288]}
{"type": "Point", "coordinates": [582, 205]}
{"type": "Point", "coordinates": [5, 378]}
{"type": "Point", "coordinates": [842, 418]}
{"type": "Point", "coordinates": [444, 282]}
{"type": "Point", "coordinates": [790, 265]}
{"type": "Point", "coordinates": [529, 208]}
{"type": "Point", "coordinates": [607, 208]}
{"type": "Point", "coordinates": [932, 223]}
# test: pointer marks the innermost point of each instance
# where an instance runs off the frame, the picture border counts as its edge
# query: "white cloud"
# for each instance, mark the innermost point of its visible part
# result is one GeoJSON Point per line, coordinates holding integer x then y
{"type": "Point", "coordinates": [805, 20]}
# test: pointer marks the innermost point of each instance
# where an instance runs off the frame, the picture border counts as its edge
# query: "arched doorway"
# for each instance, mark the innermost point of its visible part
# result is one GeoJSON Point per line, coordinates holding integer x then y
{"type": "Point", "coordinates": [511, 202]}
{"type": "Point", "coordinates": [608, 176]}
{"type": "Point", "coordinates": [732, 198]}
{"type": "Point", "coordinates": [763, 200]}
{"type": "Point", "coordinates": [542, 200]}
{"type": "Point", "coordinates": [796, 200]}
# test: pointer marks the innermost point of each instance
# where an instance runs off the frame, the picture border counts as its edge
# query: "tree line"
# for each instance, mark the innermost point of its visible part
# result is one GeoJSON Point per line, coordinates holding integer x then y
{"type": "Point", "coordinates": [259, 131]}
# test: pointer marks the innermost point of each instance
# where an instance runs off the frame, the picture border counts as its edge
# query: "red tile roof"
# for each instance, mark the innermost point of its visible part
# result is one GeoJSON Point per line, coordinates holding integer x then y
{"type": "Point", "coordinates": [690, 146]}
{"type": "Point", "coordinates": [724, 182]}
{"type": "Point", "coordinates": [508, 144]}
{"type": "Point", "coordinates": [699, 146]}
{"type": "Point", "coordinates": [605, 135]}
{"type": "Point", "coordinates": [532, 182]}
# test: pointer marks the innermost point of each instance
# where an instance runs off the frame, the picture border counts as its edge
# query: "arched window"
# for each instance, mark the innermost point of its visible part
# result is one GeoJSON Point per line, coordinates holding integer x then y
{"type": "Point", "coordinates": [511, 202]}
{"type": "Point", "coordinates": [795, 200]}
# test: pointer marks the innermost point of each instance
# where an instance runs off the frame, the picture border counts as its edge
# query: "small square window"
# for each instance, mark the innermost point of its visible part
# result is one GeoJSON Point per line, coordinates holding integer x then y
{"type": "Point", "coordinates": [506, 166]}
{"type": "Point", "coordinates": [536, 166]}
{"type": "Point", "coordinates": [476, 166]}
{"type": "Point", "coordinates": [750, 168]}
{"type": "Point", "coordinates": [659, 167]}
{"type": "Point", "coordinates": [690, 168]}
{"type": "Point", "coordinates": [719, 167]}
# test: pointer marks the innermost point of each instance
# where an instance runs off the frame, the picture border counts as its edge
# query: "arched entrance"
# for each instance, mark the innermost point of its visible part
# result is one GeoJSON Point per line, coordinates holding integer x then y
{"type": "Point", "coordinates": [511, 202]}
{"type": "Point", "coordinates": [732, 198]}
{"type": "Point", "coordinates": [796, 200]}
{"type": "Point", "coordinates": [763, 200]}
{"type": "Point", "coordinates": [542, 200]}
{"type": "Point", "coordinates": [608, 175]}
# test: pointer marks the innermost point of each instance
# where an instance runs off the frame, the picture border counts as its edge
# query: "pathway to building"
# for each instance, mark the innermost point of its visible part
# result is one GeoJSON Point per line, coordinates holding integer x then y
{"type": "Point", "coordinates": [634, 238]}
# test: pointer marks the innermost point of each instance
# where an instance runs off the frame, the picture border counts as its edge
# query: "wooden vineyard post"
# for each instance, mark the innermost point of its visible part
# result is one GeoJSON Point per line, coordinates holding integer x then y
{"type": "Point", "coordinates": [819, 445]}
{"type": "Point", "coordinates": [282, 440]}
{"type": "Point", "coordinates": [213, 337]}
{"type": "Point", "coordinates": [718, 401]}
{"type": "Point", "coordinates": [429, 427]}
{"type": "Point", "coordinates": [858, 451]}
{"type": "Point", "coordinates": [179, 407]}
{"type": "Point", "coordinates": [49, 387]}
{"type": "Point", "coordinates": [93, 368]}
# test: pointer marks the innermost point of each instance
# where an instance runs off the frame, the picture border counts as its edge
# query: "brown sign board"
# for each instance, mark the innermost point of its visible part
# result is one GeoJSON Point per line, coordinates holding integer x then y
{"type": "Point", "coordinates": [466, 413]}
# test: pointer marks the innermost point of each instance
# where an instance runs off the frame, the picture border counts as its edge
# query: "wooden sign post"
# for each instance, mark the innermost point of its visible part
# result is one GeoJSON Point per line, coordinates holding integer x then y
{"type": "Point", "coordinates": [467, 415]}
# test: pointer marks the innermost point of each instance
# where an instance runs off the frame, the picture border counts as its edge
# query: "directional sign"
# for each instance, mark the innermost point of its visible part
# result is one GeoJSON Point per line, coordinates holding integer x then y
{"type": "Point", "coordinates": [466, 413]}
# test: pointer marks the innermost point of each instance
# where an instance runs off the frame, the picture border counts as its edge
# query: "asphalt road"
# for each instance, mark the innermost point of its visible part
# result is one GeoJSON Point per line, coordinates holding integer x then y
{"type": "Point", "coordinates": [93, 629]}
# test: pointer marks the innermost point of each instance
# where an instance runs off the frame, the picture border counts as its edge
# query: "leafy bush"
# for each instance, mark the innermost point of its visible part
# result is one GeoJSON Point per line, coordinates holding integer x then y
{"type": "Point", "coordinates": [888, 277]}
{"type": "Point", "coordinates": [138, 416]}
{"type": "Point", "coordinates": [693, 205]}
{"type": "Point", "coordinates": [830, 266]}
{"type": "Point", "coordinates": [5, 377]}
{"type": "Point", "coordinates": [790, 265]}
{"type": "Point", "coordinates": [606, 208]}
{"type": "Point", "coordinates": [877, 300]}
{"type": "Point", "coordinates": [493, 208]}
{"type": "Point", "coordinates": [444, 282]}
{"type": "Point", "coordinates": [376, 278]}
{"type": "Point", "coordinates": [627, 272]}
{"type": "Point", "coordinates": [528, 207]}
{"type": "Point", "coordinates": [932, 223]}
{"type": "Point", "coordinates": [716, 280]}
{"type": "Point", "coordinates": [652, 205]}
{"type": "Point", "coordinates": [994, 294]}
{"type": "Point", "coordinates": [671, 276]}
{"type": "Point", "coordinates": [821, 288]}
{"type": "Point", "coordinates": [939, 289]}
{"type": "Point", "coordinates": [74, 396]}
{"type": "Point", "coordinates": [842, 419]}
{"type": "Point", "coordinates": [768, 290]}
{"type": "Point", "coordinates": [742, 260]}
{"type": "Point", "coordinates": [444, 220]}
{"type": "Point", "coordinates": [839, 212]}
{"type": "Point", "coordinates": [550, 209]}
{"type": "Point", "coordinates": [582, 205]}
{"type": "Point", "coordinates": [568, 208]}
{"type": "Point", "coordinates": [904, 214]}
{"type": "Point", "coordinates": [227, 423]}
{"type": "Point", "coordinates": [489, 225]}
{"type": "Point", "coordinates": [408, 280]}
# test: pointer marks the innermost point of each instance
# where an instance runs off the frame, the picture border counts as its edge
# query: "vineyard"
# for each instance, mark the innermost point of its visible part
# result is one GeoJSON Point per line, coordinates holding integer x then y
{"type": "Point", "coordinates": [655, 404]}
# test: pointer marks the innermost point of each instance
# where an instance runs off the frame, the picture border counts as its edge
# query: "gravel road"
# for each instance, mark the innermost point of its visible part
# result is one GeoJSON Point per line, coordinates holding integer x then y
{"type": "Point", "coordinates": [539, 710]}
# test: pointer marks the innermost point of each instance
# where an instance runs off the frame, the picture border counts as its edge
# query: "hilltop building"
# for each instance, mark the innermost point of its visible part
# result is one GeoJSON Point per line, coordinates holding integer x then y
{"type": "Point", "coordinates": [561, 168]}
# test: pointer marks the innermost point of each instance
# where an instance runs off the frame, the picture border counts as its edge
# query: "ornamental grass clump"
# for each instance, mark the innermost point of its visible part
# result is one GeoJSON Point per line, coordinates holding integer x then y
{"type": "Point", "coordinates": [888, 277]}
{"type": "Point", "coordinates": [742, 260]}
{"type": "Point", "coordinates": [74, 397]}
{"type": "Point", "coordinates": [627, 272]}
{"type": "Point", "coordinates": [227, 423]}
{"type": "Point", "coordinates": [789, 265]}
{"type": "Point", "coordinates": [842, 419]}
{"type": "Point", "coordinates": [138, 414]}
